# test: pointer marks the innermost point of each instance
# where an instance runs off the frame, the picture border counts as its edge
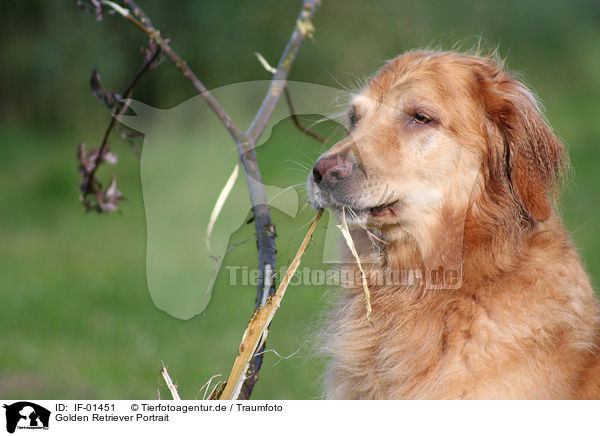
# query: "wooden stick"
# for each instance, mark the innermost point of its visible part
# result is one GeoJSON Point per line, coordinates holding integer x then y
{"type": "Point", "coordinates": [265, 229]}
{"type": "Point", "coordinates": [256, 332]}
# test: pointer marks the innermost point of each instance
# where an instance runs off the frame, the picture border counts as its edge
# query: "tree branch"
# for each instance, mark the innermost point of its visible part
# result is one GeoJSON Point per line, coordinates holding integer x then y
{"type": "Point", "coordinates": [142, 22]}
{"type": "Point", "coordinates": [303, 28]}
{"type": "Point", "coordinates": [89, 174]}
{"type": "Point", "coordinates": [265, 230]}
{"type": "Point", "coordinates": [290, 103]}
{"type": "Point", "coordinates": [256, 333]}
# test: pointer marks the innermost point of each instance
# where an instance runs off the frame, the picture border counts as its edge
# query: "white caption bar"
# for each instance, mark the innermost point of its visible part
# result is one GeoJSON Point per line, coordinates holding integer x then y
{"type": "Point", "coordinates": [281, 417]}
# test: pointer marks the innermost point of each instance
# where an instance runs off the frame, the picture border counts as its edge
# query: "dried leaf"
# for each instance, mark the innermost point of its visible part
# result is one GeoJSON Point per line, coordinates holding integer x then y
{"type": "Point", "coordinates": [264, 63]}
{"type": "Point", "coordinates": [108, 97]}
{"type": "Point", "coordinates": [220, 203]}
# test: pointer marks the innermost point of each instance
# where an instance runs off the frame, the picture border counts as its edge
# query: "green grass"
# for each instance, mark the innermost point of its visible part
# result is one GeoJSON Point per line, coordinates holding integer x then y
{"type": "Point", "coordinates": [76, 317]}
{"type": "Point", "coordinates": [76, 314]}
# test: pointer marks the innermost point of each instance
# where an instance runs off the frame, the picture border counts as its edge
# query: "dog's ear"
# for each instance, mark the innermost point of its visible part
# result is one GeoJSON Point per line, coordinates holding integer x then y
{"type": "Point", "coordinates": [531, 157]}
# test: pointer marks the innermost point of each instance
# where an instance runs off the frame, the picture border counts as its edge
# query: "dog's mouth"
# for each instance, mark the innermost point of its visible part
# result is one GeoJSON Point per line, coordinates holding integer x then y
{"type": "Point", "coordinates": [354, 206]}
{"type": "Point", "coordinates": [383, 209]}
{"type": "Point", "coordinates": [380, 211]}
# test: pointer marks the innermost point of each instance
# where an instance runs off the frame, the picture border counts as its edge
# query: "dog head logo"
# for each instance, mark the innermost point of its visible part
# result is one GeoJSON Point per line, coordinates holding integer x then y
{"type": "Point", "coordinates": [24, 414]}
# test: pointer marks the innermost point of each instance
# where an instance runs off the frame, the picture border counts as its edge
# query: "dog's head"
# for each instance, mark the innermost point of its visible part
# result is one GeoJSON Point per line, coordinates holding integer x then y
{"type": "Point", "coordinates": [434, 133]}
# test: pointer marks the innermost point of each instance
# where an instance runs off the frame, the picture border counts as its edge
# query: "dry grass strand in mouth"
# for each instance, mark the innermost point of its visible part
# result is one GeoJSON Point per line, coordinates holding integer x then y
{"type": "Point", "coordinates": [348, 238]}
{"type": "Point", "coordinates": [370, 233]}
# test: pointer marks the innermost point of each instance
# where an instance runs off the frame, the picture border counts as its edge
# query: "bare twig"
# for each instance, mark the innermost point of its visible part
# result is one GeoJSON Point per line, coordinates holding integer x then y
{"type": "Point", "coordinates": [303, 28]}
{"type": "Point", "coordinates": [89, 183]}
{"type": "Point", "coordinates": [169, 382]}
{"type": "Point", "coordinates": [257, 330]}
{"type": "Point", "coordinates": [288, 99]}
{"type": "Point", "coordinates": [137, 16]}
{"type": "Point", "coordinates": [265, 230]}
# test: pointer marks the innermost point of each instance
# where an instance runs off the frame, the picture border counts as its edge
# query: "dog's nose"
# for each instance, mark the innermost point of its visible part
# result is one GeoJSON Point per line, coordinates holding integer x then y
{"type": "Point", "coordinates": [332, 170]}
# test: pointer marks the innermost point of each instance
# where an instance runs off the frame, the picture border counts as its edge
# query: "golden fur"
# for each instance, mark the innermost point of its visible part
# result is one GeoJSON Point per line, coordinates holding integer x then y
{"type": "Point", "coordinates": [452, 167]}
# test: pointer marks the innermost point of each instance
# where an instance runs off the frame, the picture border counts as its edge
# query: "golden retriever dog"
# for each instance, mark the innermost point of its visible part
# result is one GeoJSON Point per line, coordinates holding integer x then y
{"type": "Point", "coordinates": [447, 179]}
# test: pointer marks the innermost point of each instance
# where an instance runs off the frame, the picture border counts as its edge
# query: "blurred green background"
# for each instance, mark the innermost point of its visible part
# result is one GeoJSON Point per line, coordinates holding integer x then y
{"type": "Point", "coordinates": [76, 319]}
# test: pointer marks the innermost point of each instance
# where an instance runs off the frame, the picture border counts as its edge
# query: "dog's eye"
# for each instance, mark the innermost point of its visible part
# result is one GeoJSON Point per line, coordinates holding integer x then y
{"type": "Point", "coordinates": [352, 120]}
{"type": "Point", "coordinates": [421, 119]}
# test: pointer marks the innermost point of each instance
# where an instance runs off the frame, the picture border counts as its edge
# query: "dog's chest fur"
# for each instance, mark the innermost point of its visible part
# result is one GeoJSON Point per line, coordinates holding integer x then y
{"type": "Point", "coordinates": [519, 336]}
